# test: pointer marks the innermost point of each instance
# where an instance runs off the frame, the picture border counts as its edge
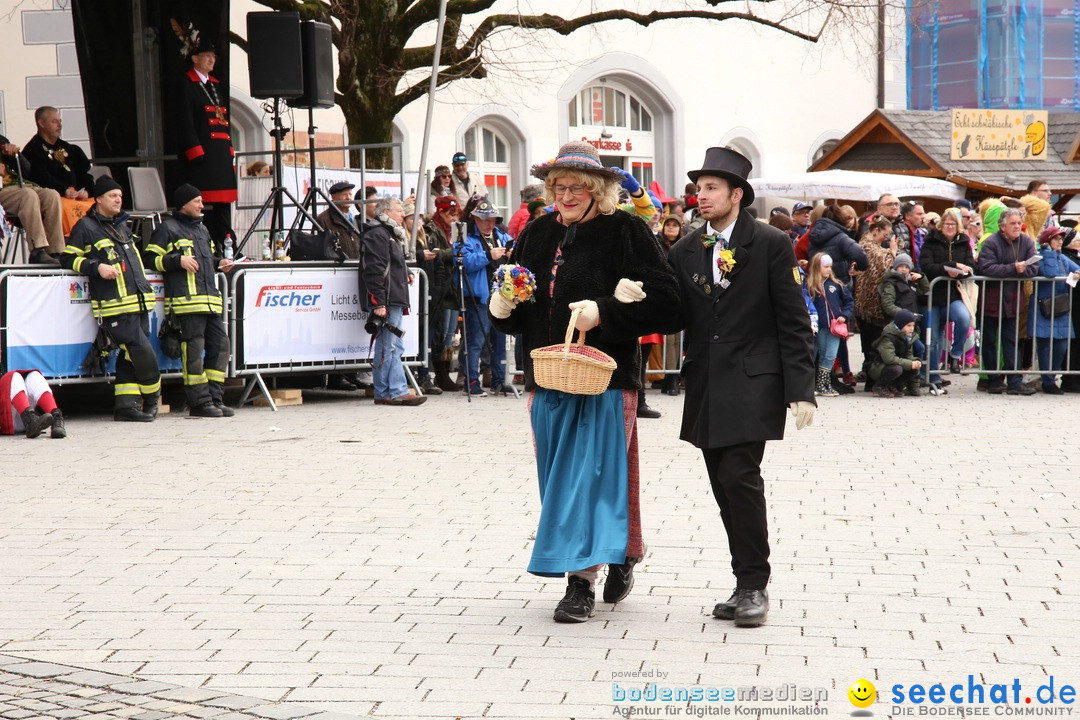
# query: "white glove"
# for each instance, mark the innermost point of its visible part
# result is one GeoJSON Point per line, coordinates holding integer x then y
{"type": "Point", "coordinates": [628, 291]}
{"type": "Point", "coordinates": [589, 317]}
{"type": "Point", "coordinates": [803, 412]}
{"type": "Point", "coordinates": [500, 306]}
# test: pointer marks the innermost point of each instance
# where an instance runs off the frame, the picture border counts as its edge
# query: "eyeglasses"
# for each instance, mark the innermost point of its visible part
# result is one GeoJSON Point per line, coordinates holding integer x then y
{"type": "Point", "coordinates": [895, 203]}
{"type": "Point", "coordinates": [574, 189]}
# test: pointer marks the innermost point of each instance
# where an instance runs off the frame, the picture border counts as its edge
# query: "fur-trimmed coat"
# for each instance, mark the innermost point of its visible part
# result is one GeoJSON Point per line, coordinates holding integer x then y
{"type": "Point", "coordinates": [603, 250]}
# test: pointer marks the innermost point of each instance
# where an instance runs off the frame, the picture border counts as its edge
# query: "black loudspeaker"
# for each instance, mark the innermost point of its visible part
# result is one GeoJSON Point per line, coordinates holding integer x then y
{"type": "Point", "coordinates": [317, 47]}
{"type": "Point", "coordinates": [274, 57]}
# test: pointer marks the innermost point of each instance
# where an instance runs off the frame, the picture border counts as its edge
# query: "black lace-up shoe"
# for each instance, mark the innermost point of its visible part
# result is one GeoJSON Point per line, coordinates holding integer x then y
{"type": "Point", "coordinates": [752, 608]}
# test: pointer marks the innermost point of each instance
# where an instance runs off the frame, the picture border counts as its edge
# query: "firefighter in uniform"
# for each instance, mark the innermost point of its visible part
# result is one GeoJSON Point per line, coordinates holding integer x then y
{"type": "Point", "coordinates": [206, 151]}
{"type": "Point", "coordinates": [181, 249]}
{"type": "Point", "coordinates": [102, 247]}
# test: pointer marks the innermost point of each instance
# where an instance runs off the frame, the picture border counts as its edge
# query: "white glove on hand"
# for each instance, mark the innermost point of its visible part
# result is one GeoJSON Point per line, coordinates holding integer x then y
{"type": "Point", "coordinates": [500, 306]}
{"type": "Point", "coordinates": [628, 291]}
{"type": "Point", "coordinates": [803, 412]}
{"type": "Point", "coordinates": [589, 317]}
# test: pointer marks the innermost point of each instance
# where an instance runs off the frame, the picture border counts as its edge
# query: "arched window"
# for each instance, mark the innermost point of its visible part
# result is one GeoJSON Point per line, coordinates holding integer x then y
{"type": "Point", "coordinates": [608, 115]}
{"type": "Point", "coordinates": [489, 158]}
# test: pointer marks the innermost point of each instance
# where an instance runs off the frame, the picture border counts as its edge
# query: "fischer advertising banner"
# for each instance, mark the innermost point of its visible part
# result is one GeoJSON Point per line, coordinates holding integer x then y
{"type": "Point", "coordinates": [310, 316]}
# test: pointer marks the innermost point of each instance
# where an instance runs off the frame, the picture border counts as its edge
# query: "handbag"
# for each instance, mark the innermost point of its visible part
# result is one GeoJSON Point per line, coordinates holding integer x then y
{"type": "Point", "coordinates": [1056, 306]}
{"type": "Point", "coordinates": [321, 245]}
{"type": "Point", "coordinates": [837, 328]}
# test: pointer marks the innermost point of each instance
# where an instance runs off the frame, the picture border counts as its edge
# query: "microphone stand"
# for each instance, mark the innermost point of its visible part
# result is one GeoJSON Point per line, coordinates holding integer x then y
{"type": "Point", "coordinates": [458, 233]}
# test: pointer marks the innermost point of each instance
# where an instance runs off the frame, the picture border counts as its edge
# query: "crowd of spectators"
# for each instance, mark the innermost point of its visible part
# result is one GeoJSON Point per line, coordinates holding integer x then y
{"type": "Point", "coordinates": [867, 274]}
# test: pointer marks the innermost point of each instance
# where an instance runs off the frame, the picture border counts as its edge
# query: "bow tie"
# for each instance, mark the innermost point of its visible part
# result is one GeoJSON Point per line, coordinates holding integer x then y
{"type": "Point", "coordinates": [710, 240]}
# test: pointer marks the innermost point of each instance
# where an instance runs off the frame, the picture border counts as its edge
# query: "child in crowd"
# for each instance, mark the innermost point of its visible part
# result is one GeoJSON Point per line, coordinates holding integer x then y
{"type": "Point", "coordinates": [892, 364]}
{"type": "Point", "coordinates": [832, 301]}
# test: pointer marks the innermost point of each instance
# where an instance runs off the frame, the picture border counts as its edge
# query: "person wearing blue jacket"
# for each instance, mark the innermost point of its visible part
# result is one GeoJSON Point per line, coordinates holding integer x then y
{"type": "Point", "coordinates": [1051, 331]}
{"type": "Point", "coordinates": [833, 301]}
{"type": "Point", "coordinates": [476, 257]}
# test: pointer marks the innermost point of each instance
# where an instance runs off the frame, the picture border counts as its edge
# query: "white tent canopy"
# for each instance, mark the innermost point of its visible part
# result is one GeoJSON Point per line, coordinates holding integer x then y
{"type": "Point", "coordinates": [853, 185]}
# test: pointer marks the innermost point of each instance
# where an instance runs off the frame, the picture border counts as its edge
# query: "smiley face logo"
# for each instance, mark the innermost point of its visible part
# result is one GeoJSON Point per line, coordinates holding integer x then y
{"type": "Point", "coordinates": [862, 693]}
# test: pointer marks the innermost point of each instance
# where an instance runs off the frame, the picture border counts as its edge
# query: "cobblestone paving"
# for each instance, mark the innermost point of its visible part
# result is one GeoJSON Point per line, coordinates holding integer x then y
{"type": "Point", "coordinates": [31, 690]}
{"type": "Point", "coordinates": [369, 561]}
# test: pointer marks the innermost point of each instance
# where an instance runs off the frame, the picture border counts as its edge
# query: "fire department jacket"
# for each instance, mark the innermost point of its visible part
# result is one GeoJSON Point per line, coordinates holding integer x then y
{"type": "Point", "coordinates": [95, 240]}
{"type": "Point", "coordinates": [185, 293]}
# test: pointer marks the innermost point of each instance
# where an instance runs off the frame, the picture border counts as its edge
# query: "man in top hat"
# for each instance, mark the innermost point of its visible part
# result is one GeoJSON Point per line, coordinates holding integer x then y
{"type": "Point", "coordinates": [749, 356]}
{"type": "Point", "coordinates": [206, 151]}
{"type": "Point", "coordinates": [345, 228]}
{"type": "Point", "coordinates": [462, 185]}
{"type": "Point", "coordinates": [181, 249]}
{"type": "Point", "coordinates": [102, 247]}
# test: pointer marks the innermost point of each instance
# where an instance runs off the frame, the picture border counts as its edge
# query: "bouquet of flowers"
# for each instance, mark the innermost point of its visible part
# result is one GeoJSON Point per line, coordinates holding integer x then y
{"type": "Point", "coordinates": [514, 282]}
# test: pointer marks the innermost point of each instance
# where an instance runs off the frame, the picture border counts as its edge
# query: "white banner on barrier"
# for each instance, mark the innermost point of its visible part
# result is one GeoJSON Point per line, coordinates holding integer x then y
{"type": "Point", "coordinates": [50, 326]}
{"type": "Point", "coordinates": [311, 315]}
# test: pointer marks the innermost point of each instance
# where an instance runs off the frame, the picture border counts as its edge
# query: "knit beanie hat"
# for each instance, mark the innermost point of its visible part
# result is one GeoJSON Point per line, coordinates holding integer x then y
{"type": "Point", "coordinates": [903, 317]}
{"type": "Point", "coordinates": [184, 194]}
{"type": "Point", "coordinates": [903, 259]}
{"type": "Point", "coordinates": [105, 184]}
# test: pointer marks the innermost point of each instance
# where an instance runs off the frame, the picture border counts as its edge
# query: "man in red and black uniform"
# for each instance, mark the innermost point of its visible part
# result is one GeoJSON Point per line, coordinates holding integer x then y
{"type": "Point", "coordinates": [206, 151]}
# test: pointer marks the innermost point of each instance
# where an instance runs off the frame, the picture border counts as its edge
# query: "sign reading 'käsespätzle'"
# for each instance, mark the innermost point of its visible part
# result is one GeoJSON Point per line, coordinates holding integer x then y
{"type": "Point", "coordinates": [979, 134]}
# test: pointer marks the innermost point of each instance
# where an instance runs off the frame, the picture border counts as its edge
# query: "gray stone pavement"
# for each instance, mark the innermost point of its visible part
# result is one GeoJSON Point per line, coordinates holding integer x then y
{"type": "Point", "coordinates": [340, 557]}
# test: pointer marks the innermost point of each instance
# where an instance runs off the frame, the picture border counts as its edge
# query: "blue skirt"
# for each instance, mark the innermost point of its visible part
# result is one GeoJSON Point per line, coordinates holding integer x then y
{"type": "Point", "coordinates": [581, 461]}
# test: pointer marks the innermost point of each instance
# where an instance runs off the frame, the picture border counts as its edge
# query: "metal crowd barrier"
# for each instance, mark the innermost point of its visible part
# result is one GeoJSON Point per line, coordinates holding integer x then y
{"type": "Point", "coordinates": [1027, 323]}
{"type": "Point", "coordinates": [255, 370]}
{"type": "Point", "coordinates": [75, 312]}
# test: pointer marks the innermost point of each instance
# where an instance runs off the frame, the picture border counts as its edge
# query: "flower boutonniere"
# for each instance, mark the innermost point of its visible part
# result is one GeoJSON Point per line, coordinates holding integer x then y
{"type": "Point", "coordinates": [725, 261]}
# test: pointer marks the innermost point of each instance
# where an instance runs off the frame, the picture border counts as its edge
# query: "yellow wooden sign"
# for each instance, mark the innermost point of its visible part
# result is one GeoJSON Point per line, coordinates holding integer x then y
{"type": "Point", "coordinates": [979, 134]}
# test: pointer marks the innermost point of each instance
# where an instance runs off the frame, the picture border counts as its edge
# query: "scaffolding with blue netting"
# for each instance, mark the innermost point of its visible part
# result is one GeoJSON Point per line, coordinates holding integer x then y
{"type": "Point", "coordinates": [993, 54]}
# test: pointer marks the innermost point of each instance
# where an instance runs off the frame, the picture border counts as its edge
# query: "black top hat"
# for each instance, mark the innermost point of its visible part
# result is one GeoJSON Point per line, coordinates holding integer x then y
{"type": "Point", "coordinates": [725, 163]}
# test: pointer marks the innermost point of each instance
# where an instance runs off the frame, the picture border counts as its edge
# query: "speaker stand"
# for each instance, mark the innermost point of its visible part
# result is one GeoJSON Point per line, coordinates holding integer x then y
{"type": "Point", "coordinates": [310, 201]}
{"type": "Point", "coordinates": [275, 199]}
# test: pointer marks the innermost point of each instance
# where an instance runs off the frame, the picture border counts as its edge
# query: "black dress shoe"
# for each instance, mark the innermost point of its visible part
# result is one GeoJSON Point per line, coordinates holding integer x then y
{"type": "Point", "coordinates": [41, 256]}
{"type": "Point", "coordinates": [726, 609]}
{"type": "Point", "coordinates": [752, 608]}
{"type": "Point", "coordinates": [337, 382]}
{"type": "Point", "coordinates": [620, 581]}
{"type": "Point", "coordinates": [644, 411]}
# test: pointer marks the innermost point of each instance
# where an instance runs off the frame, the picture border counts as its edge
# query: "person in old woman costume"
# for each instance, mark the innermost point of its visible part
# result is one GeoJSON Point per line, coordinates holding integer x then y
{"type": "Point", "coordinates": [589, 256]}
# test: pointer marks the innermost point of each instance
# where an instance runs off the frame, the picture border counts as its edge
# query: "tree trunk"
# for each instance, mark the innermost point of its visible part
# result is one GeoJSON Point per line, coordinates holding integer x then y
{"type": "Point", "coordinates": [370, 127]}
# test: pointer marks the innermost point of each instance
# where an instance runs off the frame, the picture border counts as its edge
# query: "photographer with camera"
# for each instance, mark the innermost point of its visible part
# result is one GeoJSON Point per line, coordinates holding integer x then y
{"type": "Point", "coordinates": [384, 292]}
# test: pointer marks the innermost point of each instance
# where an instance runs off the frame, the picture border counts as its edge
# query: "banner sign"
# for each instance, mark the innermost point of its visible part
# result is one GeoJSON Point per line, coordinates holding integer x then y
{"type": "Point", "coordinates": [999, 134]}
{"type": "Point", "coordinates": [310, 315]}
{"type": "Point", "coordinates": [50, 326]}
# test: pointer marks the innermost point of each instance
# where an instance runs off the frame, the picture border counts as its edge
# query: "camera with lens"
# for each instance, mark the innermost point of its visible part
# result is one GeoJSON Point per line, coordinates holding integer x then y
{"type": "Point", "coordinates": [374, 324]}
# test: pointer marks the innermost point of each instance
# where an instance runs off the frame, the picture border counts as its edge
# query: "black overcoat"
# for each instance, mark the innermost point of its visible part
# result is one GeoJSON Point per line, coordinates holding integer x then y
{"type": "Point", "coordinates": [603, 251]}
{"type": "Point", "coordinates": [749, 348]}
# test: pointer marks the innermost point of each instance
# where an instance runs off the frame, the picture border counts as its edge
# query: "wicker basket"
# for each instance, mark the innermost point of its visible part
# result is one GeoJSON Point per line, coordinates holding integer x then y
{"type": "Point", "coordinates": [572, 368]}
